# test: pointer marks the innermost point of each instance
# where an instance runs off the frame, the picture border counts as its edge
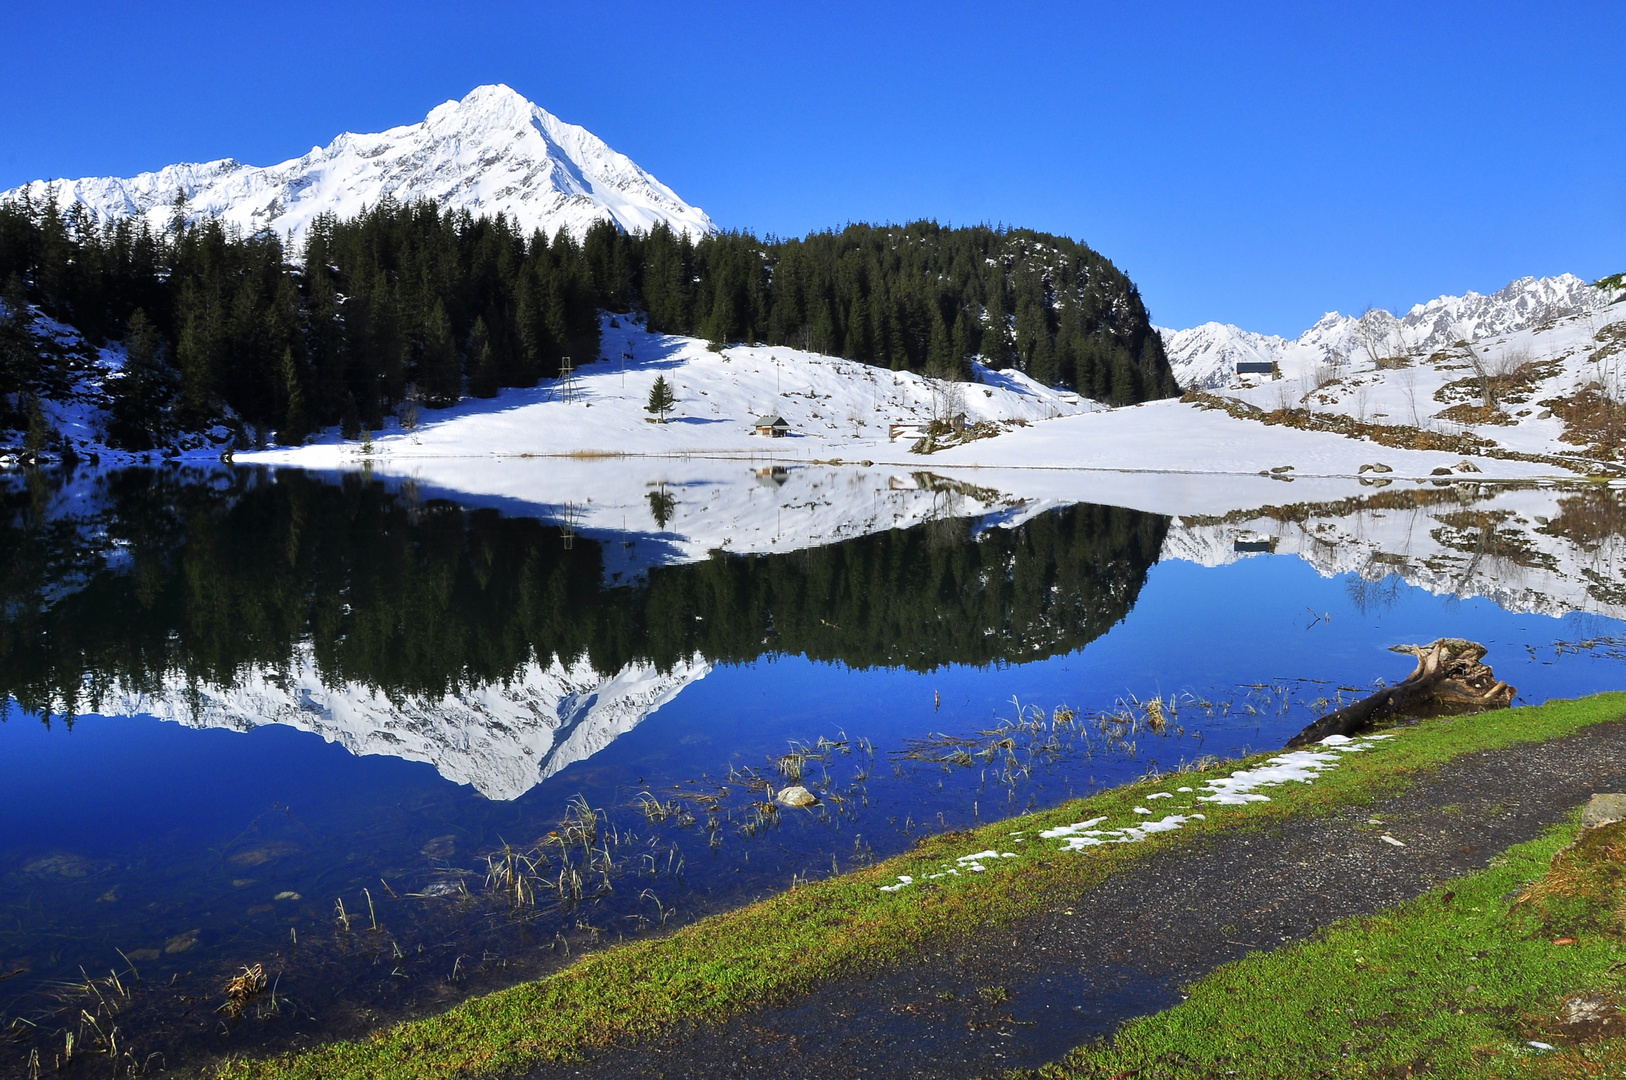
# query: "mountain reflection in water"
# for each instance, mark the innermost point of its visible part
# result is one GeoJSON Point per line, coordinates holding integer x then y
{"type": "Point", "coordinates": [493, 646]}
{"type": "Point", "coordinates": [654, 662]}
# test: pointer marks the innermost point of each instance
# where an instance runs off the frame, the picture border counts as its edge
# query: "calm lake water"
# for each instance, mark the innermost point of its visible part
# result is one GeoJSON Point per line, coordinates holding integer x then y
{"type": "Point", "coordinates": [397, 746]}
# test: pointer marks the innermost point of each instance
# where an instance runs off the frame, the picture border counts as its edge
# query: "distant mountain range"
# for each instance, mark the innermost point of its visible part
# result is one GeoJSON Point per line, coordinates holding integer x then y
{"type": "Point", "coordinates": [492, 152]}
{"type": "Point", "coordinates": [1206, 356]}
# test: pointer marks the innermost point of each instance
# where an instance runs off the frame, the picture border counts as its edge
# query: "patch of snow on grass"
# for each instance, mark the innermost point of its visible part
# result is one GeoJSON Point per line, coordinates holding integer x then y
{"type": "Point", "coordinates": [1302, 766]}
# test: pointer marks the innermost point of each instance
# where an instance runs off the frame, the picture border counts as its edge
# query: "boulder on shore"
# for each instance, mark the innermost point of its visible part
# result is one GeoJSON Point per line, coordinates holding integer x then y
{"type": "Point", "coordinates": [1604, 809]}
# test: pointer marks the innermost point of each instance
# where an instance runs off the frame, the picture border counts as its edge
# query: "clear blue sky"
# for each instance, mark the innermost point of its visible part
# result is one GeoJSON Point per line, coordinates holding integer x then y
{"type": "Point", "coordinates": [1256, 164]}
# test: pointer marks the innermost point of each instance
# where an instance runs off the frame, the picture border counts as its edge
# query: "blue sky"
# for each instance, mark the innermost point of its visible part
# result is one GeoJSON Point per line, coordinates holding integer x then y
{"type": "Point", "coordinates": [1256, 164]}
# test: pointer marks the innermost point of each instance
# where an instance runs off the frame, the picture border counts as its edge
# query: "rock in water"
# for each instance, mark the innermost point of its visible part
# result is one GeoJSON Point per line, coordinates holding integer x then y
{"type": "Point", "coordinates": [1605, 809]}
{"type": "Point", "coordinates": [796, 795]}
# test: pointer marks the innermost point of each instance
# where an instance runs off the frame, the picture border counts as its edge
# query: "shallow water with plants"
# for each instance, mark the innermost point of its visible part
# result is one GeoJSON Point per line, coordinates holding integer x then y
{"type": "Point", "coordinates": [289, 755]}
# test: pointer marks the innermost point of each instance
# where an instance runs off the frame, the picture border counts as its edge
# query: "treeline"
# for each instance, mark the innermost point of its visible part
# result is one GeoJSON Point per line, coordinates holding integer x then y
{"type": "Point", "coordinates": [408, 304]}
{"type": "Point", "coordinates": [416, 598]}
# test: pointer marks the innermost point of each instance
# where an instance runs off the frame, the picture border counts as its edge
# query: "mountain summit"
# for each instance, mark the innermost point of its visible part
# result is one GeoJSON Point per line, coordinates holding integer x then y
{"type": "Point", "coordinates": [492, 152]}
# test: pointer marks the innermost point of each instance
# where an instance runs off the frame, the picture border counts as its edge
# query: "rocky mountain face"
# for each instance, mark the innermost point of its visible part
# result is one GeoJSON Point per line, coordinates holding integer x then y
{"type": "Point", "coordinates": [492, 152]}
{"type": "Point", "coordinates": [1206, 356]}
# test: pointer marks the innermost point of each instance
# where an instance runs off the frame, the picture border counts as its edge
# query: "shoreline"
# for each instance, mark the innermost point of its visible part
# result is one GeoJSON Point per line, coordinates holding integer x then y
{"type": "Point", "coordinates": [779, 948]}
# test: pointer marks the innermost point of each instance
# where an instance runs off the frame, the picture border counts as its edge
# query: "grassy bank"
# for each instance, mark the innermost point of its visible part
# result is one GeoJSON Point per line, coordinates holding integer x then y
{"type": "Point", "coordinates": [1470, 980]}
{"type": "Point", "coordinates": [774, 949]}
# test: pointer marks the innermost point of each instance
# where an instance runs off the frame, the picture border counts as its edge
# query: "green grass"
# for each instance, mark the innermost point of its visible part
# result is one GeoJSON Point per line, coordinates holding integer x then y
{"type": "Point", "coordinates": [772, 950]}
{"type": "Point", "coordinates": [1456, 983]}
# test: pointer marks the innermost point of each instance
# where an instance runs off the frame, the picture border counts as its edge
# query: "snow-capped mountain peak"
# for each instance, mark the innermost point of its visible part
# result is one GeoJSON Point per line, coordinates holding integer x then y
{"type": "Point", "coordinates": [493, 151]}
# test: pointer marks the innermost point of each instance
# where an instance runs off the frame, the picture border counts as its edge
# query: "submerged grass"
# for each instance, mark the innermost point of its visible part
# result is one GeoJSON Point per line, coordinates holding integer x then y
{"type": "Point", "coordinates": [774, 949]}
{"type": "Point", "coordinates": [1465, 981]}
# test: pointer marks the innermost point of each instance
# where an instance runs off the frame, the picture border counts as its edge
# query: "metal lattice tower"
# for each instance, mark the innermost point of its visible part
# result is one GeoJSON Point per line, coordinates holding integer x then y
{"type": "Point", "coordinates": [567, 380]}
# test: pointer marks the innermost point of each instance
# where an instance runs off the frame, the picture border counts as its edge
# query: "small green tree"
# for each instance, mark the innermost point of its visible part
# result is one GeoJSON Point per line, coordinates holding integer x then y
{"type": "Point", "coordinates": [661, 398]}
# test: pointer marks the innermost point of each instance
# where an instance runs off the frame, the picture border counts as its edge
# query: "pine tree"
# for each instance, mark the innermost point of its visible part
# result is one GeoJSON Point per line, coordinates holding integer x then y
{"type": "Point", "coordinates": [19, 360]}
{"type": "Point", "coordinates": [40, 434]}
{"type": "Point", "coordinates": [139, 399]}
{"type": "Point", "coordinates": [483, 376]}
{"type": "Point", "coordinates": [661, 398]}
{"type": "Point", "coordinates": [442, 371]}
{"type": "Point", "coordinates": [295, 424]}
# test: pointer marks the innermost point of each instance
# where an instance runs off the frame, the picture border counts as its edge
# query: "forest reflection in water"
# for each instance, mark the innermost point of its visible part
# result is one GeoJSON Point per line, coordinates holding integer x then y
{"type": "Point", "coordinates": [608, 729]}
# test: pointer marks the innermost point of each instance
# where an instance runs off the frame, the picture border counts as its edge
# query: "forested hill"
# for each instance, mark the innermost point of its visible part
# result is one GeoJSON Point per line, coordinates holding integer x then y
{"type": "Point", "coordinates": [408, 303]}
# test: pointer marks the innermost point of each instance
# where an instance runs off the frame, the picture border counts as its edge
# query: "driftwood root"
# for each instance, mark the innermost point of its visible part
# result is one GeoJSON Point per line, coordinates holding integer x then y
{"type": "Point", "coordinates": [1450, 678]}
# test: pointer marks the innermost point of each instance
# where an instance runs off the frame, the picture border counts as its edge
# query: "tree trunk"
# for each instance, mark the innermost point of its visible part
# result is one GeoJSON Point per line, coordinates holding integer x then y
{"type": "Point", "coordinates": [1449, 679]}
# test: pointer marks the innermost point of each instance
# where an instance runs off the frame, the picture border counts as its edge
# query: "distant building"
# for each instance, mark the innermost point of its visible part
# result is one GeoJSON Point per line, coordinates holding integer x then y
{"type": "Point", "coordinates": [774, 427]}
{"type": "Point", "coordinates": [1255, 367]}
{"type": "Point", "coordinates": [907, 430]}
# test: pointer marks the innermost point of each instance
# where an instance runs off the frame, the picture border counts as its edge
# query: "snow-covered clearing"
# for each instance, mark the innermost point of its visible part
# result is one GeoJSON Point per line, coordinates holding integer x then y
{"type": "Point", "coordinates": [841, 410]}
{"type": "Point", "coordinates": [835, 408]}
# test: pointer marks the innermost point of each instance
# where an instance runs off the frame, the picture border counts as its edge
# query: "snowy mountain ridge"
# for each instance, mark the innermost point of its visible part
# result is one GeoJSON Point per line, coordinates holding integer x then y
{"type": "Point", "coordinates": [1205, 356]}
{"type": "Point", "coordinates": [492, 152]}
{"type": "Point", "coordinates": [501, 739]}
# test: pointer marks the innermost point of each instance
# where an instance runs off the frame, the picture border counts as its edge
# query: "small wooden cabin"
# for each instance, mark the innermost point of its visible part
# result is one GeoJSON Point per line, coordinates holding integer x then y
{"type": "Point", "coordinates": [774, 427]}
{"type": "Point", "coordinates": [1255, 367]}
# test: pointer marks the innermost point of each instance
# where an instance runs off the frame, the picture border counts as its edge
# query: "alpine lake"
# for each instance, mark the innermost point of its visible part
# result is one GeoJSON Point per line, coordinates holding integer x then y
{"type": "Point", "coordinates": [288, 756]}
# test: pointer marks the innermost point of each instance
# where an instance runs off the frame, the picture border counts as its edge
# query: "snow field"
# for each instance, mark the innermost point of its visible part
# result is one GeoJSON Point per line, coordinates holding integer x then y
{"type": "Point", "coordinates": [841, 410]}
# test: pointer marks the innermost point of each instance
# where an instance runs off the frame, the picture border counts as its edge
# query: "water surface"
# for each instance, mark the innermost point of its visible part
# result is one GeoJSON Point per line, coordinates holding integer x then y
{"type": "Point", "coordinates": [396, 746]}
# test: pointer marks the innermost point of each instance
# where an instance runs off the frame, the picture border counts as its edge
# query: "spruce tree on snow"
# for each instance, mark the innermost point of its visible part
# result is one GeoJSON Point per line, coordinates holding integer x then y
{"type": "Point", "coordinates": [661, 398]}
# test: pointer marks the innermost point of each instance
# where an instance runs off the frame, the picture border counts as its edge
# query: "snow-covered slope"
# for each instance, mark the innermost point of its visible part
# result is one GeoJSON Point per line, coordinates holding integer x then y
{"type": "Point", "coordinates": [1206, 356]}
{"type": "Point", "coordinates": [835, 408]}
{"type": "Point", "coordinates": [492, 152]}
{"type": "Point", "coordinates": [503, 739]}
{"type": "Point", "coordinates": [1537, 369]}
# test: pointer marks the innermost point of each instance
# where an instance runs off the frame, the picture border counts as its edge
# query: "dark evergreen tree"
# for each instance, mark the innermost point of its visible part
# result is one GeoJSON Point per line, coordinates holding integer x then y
{"type": "Point", "coordinates": [661, 398]}
{"type": "Point", "coordinates": [441, 371]}
{"type": "Point", "coordinates": [141, 396]}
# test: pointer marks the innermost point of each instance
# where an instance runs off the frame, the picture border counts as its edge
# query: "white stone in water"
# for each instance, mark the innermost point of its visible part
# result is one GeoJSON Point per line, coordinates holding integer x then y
{"type": "Point", "coordinates": [796, 795]}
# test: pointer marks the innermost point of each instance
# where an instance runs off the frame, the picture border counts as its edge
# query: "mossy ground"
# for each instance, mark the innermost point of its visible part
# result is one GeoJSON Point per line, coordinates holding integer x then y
{"type": "Point", "coordinates": [1458, 983]}
{"type": "Point", "coordinates": [772, 950]}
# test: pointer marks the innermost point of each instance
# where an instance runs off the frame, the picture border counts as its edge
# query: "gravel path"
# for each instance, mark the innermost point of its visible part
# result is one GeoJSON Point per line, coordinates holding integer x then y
{"type": "Point", "coordinates": [1027, 995]}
